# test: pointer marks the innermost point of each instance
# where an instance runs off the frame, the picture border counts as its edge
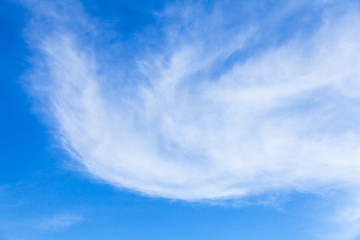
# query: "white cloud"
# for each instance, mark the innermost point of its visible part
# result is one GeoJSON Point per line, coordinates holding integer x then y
{"type": "Point", "coordinates": [284, 119]}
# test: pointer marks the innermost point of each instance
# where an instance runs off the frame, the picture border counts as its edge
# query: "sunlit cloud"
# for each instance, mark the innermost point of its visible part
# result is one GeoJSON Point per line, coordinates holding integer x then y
{"type": "Point", "coordinates": [207, 116]}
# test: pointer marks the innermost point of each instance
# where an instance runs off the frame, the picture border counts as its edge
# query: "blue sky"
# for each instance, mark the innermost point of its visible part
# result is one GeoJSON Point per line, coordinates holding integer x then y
{"type": "Point", "coordinates": [179, 120]}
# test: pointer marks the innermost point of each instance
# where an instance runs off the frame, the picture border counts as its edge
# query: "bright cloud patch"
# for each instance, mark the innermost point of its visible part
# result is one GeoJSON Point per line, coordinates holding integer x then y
{"type": "Point", "coordinates": [205, 118]}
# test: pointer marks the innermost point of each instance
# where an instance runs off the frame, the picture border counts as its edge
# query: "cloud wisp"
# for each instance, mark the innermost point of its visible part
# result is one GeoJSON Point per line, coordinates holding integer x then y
{"type": "Point", "coordinates": [204, 118]}
{"type": "Point", "coordinates": [59, 222]}
{"type": "Point", "coordinates": [38, 227]}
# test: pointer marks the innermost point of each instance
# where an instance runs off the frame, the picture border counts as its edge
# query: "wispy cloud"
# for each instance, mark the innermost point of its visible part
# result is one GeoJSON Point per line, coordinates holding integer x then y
{"type": "Point", "coordinates": [59, 222]}
{"type": "Point", "coordinates": [223, 110]}
{"type": "Point", "coordinates": [38, 227]}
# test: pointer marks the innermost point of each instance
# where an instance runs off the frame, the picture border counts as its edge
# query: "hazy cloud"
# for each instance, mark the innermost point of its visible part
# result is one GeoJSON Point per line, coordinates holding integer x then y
{"type": "Point", "coordinates": [60, 221]}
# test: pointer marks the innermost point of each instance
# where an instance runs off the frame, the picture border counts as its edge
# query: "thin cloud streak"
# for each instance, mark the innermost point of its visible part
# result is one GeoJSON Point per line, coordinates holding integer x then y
{"type": "Point", "coordinates": [60, 222]}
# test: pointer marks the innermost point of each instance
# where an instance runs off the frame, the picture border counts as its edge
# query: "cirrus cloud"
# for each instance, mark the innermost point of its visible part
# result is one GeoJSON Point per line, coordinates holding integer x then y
{"type": "Point", "coordinates": [215, 112]}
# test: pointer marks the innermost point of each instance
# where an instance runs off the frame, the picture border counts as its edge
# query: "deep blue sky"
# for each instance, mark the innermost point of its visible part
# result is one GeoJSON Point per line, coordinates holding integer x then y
{"type": "Point", "coordinates": [43, 197]}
